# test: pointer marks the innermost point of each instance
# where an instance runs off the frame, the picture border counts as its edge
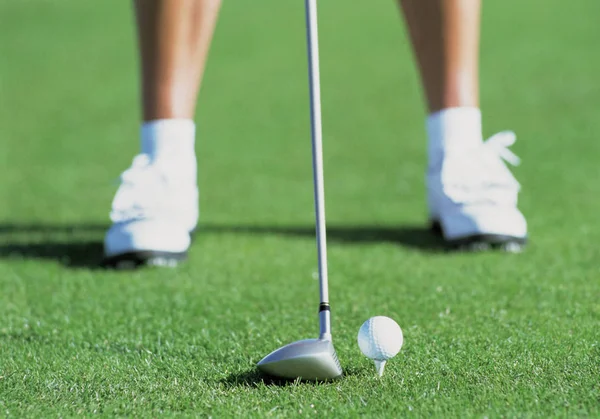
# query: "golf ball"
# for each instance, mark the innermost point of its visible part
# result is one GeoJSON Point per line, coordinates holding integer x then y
{"type": "Point", "coordinates": [380, 338]}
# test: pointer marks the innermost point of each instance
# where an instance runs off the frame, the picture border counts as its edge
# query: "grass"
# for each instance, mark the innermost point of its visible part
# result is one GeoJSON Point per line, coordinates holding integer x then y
{"type": "Point", "coordinates": [486, 335]}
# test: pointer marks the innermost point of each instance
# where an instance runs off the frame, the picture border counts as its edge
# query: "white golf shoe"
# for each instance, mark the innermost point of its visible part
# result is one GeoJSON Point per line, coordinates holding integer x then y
{"type": "Point", "coordinates": [472, 197]}
{"type": "Point", "coordinates": [153, 213]}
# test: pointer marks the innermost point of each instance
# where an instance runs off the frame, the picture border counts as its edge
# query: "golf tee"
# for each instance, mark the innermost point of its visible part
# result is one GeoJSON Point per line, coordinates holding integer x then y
{"type": "Point", "coordinates": [380, 366]}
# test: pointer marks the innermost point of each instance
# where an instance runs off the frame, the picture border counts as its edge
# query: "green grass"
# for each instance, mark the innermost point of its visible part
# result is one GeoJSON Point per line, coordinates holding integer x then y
{"type": "Point", "coordinates": [485, 335]}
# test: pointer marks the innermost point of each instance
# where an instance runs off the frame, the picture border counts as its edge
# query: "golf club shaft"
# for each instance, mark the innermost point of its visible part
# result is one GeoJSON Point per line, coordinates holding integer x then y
{"type": "Point", "coordinates": [317, 152]}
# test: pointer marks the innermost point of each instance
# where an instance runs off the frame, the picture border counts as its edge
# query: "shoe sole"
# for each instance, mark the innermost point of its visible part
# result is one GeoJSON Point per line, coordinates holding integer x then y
{"type": "Point", "coordinates": [133, 260]}
{"type": "Point", "coordinates": [482, 242]}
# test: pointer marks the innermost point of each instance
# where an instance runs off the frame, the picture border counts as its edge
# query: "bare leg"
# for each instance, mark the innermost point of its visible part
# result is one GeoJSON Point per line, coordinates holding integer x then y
{"type": "Point", "coordinates": [445, 38]}
{"type": "Point", "coordinates": [156, 206]}
{"type": "Point", "coordinates": [471, 194]}
{"type": "Point", "coordinates": [174, 38]}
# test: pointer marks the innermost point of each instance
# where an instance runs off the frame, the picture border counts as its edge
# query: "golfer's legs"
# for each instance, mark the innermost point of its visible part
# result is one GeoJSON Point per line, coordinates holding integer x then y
{"type": "Point", "coordinates": [445, 39]}
{"type": "Point", "coordinates": [174, 39]}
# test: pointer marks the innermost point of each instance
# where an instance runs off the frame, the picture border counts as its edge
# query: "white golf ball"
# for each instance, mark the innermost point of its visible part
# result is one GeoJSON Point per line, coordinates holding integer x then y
{"type": "Point", "coordinates": [380, 338]}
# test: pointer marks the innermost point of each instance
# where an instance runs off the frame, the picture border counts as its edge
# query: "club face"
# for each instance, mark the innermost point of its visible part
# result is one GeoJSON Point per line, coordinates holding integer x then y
{"type": "Point", "coordinates": [310, 359]}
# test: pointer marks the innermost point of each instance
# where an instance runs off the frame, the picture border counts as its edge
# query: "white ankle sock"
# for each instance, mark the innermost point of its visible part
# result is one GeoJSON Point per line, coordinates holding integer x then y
{"type": "Point", "coordinates": [168, 138]}
{"type": "Point", "coordinates": [170, 142]}
{"type": "Point", "coordinates": [453, 128]}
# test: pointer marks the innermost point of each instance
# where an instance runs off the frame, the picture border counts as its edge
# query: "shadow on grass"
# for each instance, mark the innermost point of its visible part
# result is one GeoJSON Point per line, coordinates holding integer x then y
{"type": "Point", "coordinates": [417, 237]}
{"type": "Point", "coordinates": [28, 337]}
{"type": "Point", "coordinates": [80, 245]}
{"type": "Point", "coordinates": [255, 378]}
{"type": "Point", "coordinates": [73, 246]}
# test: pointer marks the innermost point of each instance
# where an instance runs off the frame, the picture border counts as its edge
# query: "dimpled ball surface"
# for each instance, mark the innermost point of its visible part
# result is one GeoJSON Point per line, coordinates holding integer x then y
{"type": "Point", "coordinates": [380, 338]}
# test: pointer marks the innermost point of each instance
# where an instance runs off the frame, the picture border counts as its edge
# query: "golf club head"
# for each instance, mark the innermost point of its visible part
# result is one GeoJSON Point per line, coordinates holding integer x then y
{"type": "Point", "coordinates": [310, 359]}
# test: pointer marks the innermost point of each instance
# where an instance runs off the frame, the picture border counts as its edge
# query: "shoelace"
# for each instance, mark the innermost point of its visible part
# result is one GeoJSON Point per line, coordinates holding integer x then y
{"type": "Point", "coordinates": [481, 175]}
{"type": "Point", "coordinates": [499, 143]}
{"type": "Point", "coordinates": [137, 193]}
{"type": "Point", "coordinates": [137, 174]}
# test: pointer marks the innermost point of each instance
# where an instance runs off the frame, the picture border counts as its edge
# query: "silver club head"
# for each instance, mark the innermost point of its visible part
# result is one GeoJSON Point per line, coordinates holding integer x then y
{"type": "Point", "coordinates": [310, 359]}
